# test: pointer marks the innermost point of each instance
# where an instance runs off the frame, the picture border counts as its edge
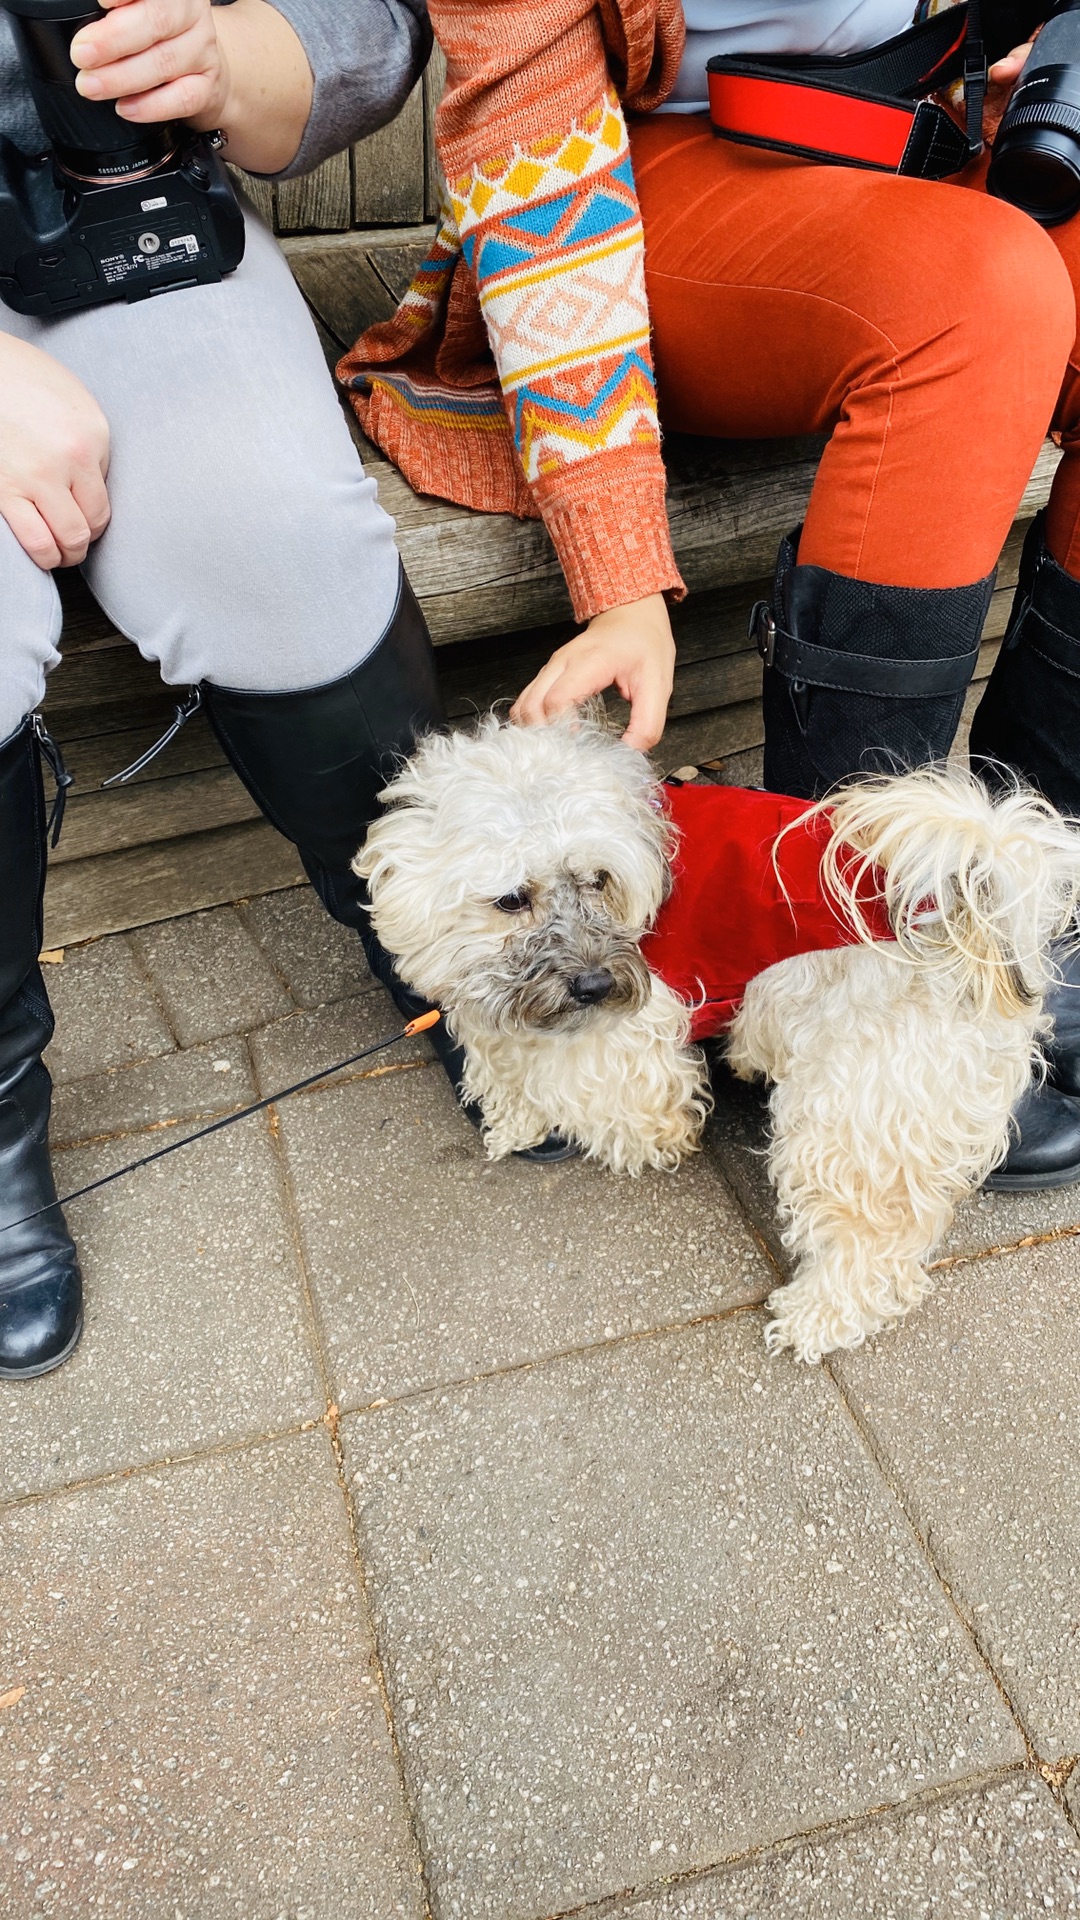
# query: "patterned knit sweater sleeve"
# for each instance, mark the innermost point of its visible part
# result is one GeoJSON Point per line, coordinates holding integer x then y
{"type": "Point", "coordinates": [541, 201]}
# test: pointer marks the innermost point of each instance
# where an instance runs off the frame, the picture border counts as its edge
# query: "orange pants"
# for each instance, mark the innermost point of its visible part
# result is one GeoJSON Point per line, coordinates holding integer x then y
{"type": "Point", "coordinates": [931, 331]}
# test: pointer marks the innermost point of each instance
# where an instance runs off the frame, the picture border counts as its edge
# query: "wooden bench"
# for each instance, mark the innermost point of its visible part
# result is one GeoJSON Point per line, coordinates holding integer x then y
{"type": "Point", "coordinates": [184, 834]}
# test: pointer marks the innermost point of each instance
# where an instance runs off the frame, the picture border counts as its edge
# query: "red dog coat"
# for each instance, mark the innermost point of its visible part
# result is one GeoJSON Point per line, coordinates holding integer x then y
{"type": "Point", "coordinates": [729, 916]}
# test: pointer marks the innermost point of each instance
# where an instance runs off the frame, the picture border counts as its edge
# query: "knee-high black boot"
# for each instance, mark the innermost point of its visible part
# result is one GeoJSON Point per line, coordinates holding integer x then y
{"type": "Point", "coordinates": [40, 1282]}
{"type": "Point", "coordinates": [315, 761]}
{"type": "Point", "coordinates": [860, 678]}
{"type": "Point", "coordinates": [1029, 717]}
{"type": "Point", "coordinates": [1028, 721]}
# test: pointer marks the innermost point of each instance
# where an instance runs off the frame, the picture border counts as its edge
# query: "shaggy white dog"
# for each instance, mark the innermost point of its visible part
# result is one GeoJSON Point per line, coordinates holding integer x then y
{"type": "Point", "coordinates": [513, 876]}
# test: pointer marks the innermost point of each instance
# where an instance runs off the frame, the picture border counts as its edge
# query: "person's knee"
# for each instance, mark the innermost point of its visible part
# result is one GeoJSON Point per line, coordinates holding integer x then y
{"type": "Point", "coordinates": [296, 584]}
{"type": "Point", "coordinates": [1015, 308]}
{"type": "Point", "coordinates": [29, 632]}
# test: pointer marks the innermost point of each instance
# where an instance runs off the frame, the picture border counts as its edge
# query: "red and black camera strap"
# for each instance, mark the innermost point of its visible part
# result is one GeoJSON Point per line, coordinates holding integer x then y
{"type": "Point", "coordinates": [861, 109]}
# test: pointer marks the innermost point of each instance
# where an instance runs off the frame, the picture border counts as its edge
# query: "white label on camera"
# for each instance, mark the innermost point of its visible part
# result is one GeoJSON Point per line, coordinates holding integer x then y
{"type": "Point", "coordinates": [151, 206]}
{"type": "Point", "coordinates": [187, 240]}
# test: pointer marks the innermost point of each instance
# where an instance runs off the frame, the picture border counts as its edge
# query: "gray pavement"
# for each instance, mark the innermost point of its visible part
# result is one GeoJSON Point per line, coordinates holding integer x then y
{"type": "Point", "coordinates": [412, 1536]}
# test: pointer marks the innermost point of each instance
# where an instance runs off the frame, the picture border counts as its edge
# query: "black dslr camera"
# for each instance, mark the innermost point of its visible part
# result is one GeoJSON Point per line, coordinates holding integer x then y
{"type": "Point", "coordinates": [112, 211]}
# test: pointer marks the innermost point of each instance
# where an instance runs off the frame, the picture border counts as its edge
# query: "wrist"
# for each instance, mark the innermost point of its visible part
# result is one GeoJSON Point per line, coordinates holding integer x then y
{"type": "Point", "coordinates": [222, 107]}
{"type": "Point", "coordinates": [649, 614]}
{"type": "Point", "coordinates": [267, 87]}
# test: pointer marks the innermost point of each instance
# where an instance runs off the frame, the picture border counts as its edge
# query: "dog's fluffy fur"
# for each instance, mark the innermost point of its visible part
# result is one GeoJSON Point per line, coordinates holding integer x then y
{"type": "Point", "coordinates": [507, 864]}
{"type": "Point", "coordinates": [510, 861]}
{"type": "Point", "coordinates": [895, 1068]}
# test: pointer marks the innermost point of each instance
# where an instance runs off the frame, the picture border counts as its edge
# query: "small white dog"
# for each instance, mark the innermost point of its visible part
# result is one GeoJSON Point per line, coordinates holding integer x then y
{"type": "Point", "coordinates": [514, 875]}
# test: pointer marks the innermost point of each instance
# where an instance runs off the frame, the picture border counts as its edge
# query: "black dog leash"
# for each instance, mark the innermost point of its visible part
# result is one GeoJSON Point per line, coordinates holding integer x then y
{"type": "Point", "coordinates": [420, 1025]}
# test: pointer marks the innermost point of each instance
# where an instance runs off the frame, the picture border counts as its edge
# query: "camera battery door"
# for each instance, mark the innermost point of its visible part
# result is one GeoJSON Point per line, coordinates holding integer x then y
{"type": "Point", "coordinates": [130, 240]}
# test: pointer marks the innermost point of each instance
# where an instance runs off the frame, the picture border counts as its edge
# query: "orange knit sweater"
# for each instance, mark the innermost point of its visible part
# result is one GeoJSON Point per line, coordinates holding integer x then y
{"type": "Point", "coordinates": [517, 374]}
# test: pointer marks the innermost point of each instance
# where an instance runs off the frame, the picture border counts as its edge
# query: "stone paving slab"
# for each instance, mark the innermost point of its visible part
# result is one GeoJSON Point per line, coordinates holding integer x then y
{"type": "Point", "coordinates": [307, 1042]}
{"type": "Point", "coordinates": [106, 1014]}
{"type": "Point", "coordinates": [196, 1328]}
{"type": "Point", "coordinates": [320, 960]}
{"type": "Point", "coordinates": [975, 1404]}
{"type": "Point", "coordinates": [985, 1221]}
{"type": "Point", "coordinates": [213, 978]}
{"type": "Point", "coordinates": [201, 1732]}
{"type": "Point", "coordinates": [430, 1263]}
{"type": "Point", "coordinates": [1001, 1854]}
{"type": "Point", "coordinates": [647, 1607]}
{"type": "Point", "coordinates": [189, 1086]}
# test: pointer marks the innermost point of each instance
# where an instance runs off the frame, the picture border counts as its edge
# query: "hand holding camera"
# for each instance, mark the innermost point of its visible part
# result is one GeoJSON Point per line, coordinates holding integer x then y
{"type": "Point", "coordinates": [240, 68]}
{"type": "Point", "coordinates": [157, 59]}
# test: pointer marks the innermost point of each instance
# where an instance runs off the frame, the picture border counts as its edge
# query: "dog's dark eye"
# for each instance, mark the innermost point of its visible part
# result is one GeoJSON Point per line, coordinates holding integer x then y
{"type": "Point", "coordinates": [601, 879]}
{"type": "Point", "coordinates": [518, 902]}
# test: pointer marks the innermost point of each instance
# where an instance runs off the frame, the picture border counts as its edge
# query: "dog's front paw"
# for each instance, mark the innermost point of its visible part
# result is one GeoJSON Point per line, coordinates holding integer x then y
{"type": "Point", "coordinates": [808, 1322]}
{"type": "Point", "coordinates": [505, 1137]}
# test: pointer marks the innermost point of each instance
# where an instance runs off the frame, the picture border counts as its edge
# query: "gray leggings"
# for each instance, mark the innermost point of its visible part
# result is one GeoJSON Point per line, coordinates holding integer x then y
{"type": "Point", "coordinates": [246, 546]}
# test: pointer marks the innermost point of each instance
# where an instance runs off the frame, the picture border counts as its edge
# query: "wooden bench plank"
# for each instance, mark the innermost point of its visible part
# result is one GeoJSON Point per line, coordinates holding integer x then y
{"type": "Point", "coordinates": [87, 898]}
{"type": "Point", "coordinates": [388, 169]}
{"type": "Point", "coordinates": [351, 280]}
{"type": "Point", "coordinates": [140, 814]}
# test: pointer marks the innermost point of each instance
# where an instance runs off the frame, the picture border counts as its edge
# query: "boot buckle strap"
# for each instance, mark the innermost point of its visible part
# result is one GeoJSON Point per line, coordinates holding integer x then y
{"type": "Point", "coordinates": [761, 629]}
{"type": "Point", "coordinates": [813, 666]}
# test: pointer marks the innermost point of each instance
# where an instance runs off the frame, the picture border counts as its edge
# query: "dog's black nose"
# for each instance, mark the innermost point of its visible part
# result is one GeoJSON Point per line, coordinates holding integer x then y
{"type": "Point", "coordinates": [592, 986]}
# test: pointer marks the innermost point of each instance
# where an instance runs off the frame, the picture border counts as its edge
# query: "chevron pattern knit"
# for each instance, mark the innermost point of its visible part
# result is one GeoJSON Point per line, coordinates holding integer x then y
{"type": "Point", "coordinates": [552, 237]}
{"type": "Point", "coordinates": [538, 266]}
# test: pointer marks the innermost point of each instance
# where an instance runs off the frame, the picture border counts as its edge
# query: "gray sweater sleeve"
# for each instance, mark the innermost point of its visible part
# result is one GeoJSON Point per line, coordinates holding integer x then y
{"type": "Point", "coordinates": [366, 56]}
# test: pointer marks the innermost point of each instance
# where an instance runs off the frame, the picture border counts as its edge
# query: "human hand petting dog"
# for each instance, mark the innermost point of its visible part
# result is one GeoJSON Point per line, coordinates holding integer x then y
{"type": "Point", "coordinates": [241, 68]}
{"type": "Point", "coordinates": [631, 648]}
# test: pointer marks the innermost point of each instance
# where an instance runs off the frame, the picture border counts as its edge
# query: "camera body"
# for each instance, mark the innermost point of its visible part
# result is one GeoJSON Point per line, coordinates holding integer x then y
{"type": "Point", "coordinates": [111, 211]}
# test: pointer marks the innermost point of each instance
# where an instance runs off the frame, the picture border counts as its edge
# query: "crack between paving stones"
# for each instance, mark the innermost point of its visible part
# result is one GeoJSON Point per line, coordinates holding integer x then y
{"type": "Point", "coordinates": [1047, 1239]}
{"type": "Point", "coordinates": [1053, 1773]}
{"type": "Point", "coordinates": [512, 1367]}
{"type": "Point", "coordinates": [214, 1113]}
{"type": "Point", "coordinates": [151, 986]}
{"type": "Point", "coordinates": [331, 1420]}
{"type": "Point", "coordinates": [241, 909]}
{"type": "Point", "coordinates": [217, 1450]}
{"type": "Point", "coordinates": [609, 1905]}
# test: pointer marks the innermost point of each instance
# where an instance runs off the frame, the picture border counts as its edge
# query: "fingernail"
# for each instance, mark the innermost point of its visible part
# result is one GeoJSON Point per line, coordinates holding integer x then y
{"type": "Point", "coordinates": [83, 48]}
{"type": "Point", "coordinates": [88, 84]}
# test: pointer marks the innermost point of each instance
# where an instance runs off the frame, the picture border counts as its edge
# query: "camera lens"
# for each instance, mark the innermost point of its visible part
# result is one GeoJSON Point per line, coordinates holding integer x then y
{"type": "Point", "coordinates": [1036, 158]}
{"type": "Point", "coordinates": [88, 136]}
{"type": "Point", "coordinates": [1039, 172]}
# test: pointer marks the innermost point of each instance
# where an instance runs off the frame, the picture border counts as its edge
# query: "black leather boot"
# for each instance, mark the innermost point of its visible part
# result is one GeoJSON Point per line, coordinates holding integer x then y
{"type": "Point", "coordinates": [1028, 722]}
{"type": "Point", "coordinates": [1046, 1151]}
{"type": "Point", "coordinates": [1029, 717]}
{"type": "Point", "coordinates": [40, 1281]}
{"type": "Point", "coordinates": [315, 762]}
{"type": "Point", "coordinates": [1062, 1003]}
{"type": "Point", "coordinates": [860, 678]}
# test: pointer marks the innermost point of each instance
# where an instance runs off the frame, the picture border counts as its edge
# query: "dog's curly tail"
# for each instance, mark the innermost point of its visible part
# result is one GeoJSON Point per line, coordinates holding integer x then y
{"type": "Point", "coordinates": [975, 885]}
